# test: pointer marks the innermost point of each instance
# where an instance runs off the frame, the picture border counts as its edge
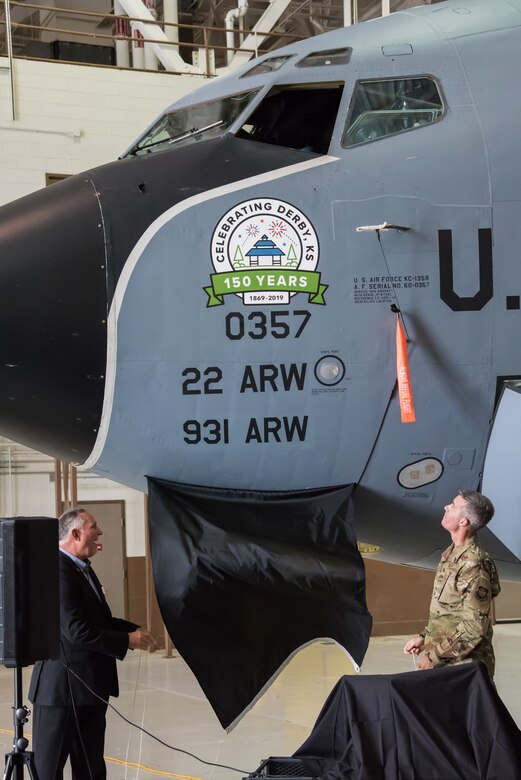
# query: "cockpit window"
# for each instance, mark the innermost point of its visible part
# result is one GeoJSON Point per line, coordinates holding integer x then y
{"type": "Point", "coordinates": [267, 66]}
{"type": "Point", "coordinates": [186, 125]}
{"type": "Point", "coordinates": [298, 116]}
{"type": "Point", "coordinates": [381, 108]}
{"type": "Point", "coordinates": [326, 57]}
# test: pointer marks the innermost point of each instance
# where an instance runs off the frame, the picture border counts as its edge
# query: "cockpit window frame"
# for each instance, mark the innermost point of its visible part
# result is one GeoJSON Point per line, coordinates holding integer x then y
{"type": "Point", "coordinates": [295, 86]}
{"type": "Point", "coordinates": [379, 80]}
{"type": "Point", "coordinates": [256, 70]}
{"type": "Point", "coordinates": [310, 59]}
{"type": "Point", "coordinates": [137, 151]}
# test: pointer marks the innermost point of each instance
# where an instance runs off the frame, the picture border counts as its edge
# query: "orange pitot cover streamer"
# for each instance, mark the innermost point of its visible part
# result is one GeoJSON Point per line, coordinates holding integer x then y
{"type": "Point", "coordinates": [402, 373]}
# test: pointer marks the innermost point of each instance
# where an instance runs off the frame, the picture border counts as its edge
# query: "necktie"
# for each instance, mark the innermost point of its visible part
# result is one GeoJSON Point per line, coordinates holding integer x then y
{"type": "Point", "coordinates": [90, 577]}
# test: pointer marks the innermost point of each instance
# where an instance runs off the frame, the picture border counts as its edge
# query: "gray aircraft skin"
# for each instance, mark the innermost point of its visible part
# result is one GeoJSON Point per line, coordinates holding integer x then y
{"type": "Point", "coordinates": [204, 310]}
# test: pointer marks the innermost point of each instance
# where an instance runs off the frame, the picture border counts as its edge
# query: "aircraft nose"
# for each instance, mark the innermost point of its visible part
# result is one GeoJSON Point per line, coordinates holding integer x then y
{"type": "Point", "coordinates": [53, 311]}
{"type": "Point", "coordinates": [62, 250]}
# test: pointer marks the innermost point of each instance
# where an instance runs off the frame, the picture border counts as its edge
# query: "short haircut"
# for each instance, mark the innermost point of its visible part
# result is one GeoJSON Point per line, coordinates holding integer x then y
{"type": "Point", "coordinates": [69, 521]}
{"type": "Point", "coordinates": [479, 509]}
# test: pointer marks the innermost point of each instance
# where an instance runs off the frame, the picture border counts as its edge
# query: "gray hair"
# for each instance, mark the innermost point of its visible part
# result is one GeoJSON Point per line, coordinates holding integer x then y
{"type": "Point", "coordinates": [69, 521]}
{"type": "Point", "coordinates": [479, 509]}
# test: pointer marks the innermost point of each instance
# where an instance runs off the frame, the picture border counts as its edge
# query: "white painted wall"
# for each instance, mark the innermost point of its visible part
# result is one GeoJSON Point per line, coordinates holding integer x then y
{"type": "Point", "coordinates": [73, 117]}
{"type": "Point", "coordinates": [27, 490]}
{"type": "Point", "coordinates": [70, 118]}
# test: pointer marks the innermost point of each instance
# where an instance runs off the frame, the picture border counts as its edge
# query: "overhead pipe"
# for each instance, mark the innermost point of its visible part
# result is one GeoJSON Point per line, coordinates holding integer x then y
{"type": "Point", "coordinates": [9, 33]}
{"type": "Point", "coordinates": [121, 37]}
{"type": "Point", "coordinates": [267, 21]}
{"type": "Point", "coordinates": [159, 43]}
{"type": "Point", "coordinates": [138, 47]}
{"type": "Point", "coordinates": [231, 16]}
{"type": "Point", "coordinates": [151, 62]}
{"type": "Point", "coordinates": [171, 15]}
{"type": "Point", "coordinates": [348, 13]}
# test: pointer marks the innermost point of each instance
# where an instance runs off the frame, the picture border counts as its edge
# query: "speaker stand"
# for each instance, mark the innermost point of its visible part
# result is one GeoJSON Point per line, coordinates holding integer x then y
{"type": "Point", "coordinates": [19, 756]}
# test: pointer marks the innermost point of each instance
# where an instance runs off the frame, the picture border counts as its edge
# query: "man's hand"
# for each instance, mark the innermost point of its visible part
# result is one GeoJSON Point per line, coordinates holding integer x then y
{"type": "Point", "coordinates": [414, 646]}
{"type": "Point", "coordinates": [141, 639]}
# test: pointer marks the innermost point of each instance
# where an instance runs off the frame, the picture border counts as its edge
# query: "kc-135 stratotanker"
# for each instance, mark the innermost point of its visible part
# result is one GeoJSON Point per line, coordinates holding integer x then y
{"type": "Point", "coordinates": [218, 307]}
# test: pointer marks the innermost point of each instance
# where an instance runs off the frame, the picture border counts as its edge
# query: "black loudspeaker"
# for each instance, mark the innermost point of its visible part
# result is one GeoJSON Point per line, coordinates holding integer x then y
{"type": "Point", "coordinates": [29, 590]}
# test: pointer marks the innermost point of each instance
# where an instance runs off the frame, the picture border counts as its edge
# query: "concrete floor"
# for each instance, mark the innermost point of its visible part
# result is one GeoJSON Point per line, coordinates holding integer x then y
{"type": "Point", "coordinates": [162, 695]}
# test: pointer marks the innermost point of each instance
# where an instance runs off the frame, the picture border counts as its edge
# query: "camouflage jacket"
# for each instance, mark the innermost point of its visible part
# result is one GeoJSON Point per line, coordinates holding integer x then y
{"type": "Point", "coordinates": [460, 626]}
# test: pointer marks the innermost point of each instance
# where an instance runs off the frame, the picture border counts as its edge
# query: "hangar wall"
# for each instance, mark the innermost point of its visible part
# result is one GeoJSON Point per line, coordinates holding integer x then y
{"type": "Point", "coordinates": [27, 488]}
{"type": "Point", "coordinates": [398, 598]}
{"type": "Point", "coordinates": [73, 117]}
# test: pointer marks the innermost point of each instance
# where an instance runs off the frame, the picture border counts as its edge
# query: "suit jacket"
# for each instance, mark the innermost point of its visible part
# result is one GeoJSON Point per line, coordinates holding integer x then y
{"type": "Point", "coordinates": [91, 640]}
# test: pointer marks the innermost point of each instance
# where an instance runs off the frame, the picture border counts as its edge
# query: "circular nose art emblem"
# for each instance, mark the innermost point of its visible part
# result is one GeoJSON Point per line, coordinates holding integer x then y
{"type": "Point", "coordinates": [265, 251]}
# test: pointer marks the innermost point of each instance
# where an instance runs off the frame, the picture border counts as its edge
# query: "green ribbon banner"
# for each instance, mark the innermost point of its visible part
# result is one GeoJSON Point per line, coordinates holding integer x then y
{"type": "Point", "coordinates": [266, 280]}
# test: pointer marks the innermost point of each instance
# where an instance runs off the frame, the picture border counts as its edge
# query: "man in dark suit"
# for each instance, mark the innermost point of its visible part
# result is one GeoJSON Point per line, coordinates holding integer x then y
{"type": "Point", "coordinates": [68, 718]}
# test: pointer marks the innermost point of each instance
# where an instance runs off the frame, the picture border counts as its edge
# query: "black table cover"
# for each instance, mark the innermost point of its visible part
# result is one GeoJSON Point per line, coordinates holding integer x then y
{"type": "Point", "coordinates": [440, 724]}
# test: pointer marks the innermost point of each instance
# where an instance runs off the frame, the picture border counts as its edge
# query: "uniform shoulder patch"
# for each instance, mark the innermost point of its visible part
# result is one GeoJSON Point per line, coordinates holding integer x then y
{"type": "Point", "coordinates": [482, 593]}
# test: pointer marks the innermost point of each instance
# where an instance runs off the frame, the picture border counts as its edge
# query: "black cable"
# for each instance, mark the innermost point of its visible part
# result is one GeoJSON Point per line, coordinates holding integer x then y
{"type": "Point", "coordinates": [76, 714]}
{"type": "Point", "coordinates": [393, 391]}
{"type": "Point", "coordinates": [392, 284]}
{"type": "Point", "coordinates": [377, 435]}
{"type": "Point", "coordinates": [153, 736]}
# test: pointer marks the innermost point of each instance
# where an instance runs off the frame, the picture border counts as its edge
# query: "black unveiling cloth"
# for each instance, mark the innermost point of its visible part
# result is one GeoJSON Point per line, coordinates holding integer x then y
{"type": "Point", "coordinates": [244, 579]}
{"type": "Point", "coordinates": [439, 724]}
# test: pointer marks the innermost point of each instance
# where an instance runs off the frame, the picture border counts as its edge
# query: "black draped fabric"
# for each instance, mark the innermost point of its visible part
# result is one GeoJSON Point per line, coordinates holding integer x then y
{"type": "Point", "coordinates": [243, 579]}
{"type": "Point", "coordinates": [440, 724]}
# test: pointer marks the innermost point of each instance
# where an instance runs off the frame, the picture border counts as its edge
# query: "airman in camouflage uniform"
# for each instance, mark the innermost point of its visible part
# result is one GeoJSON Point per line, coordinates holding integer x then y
{"type": "Point", "coordinates": [460, 626]}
